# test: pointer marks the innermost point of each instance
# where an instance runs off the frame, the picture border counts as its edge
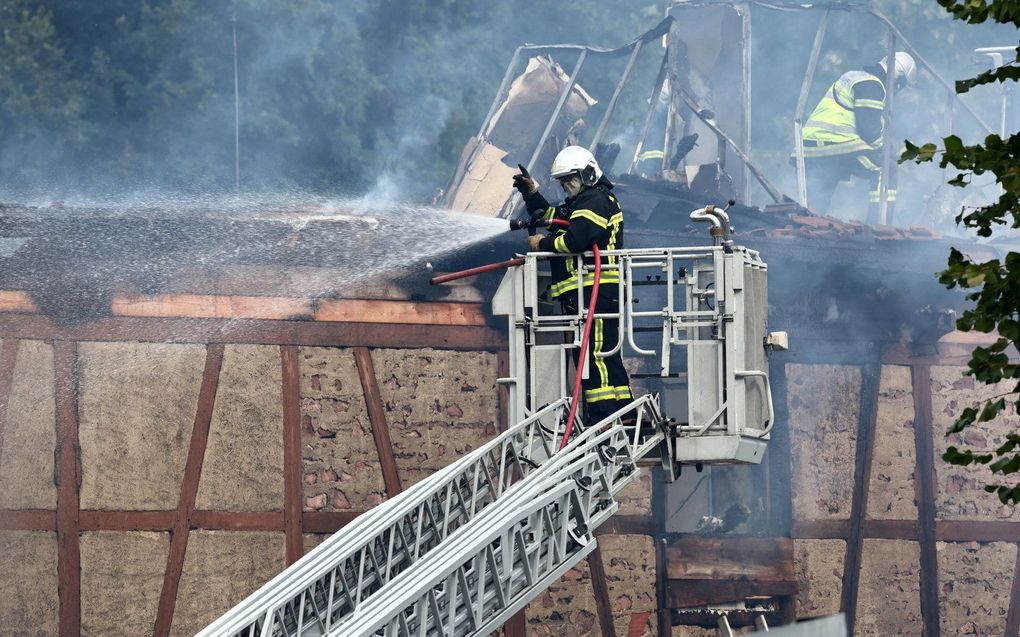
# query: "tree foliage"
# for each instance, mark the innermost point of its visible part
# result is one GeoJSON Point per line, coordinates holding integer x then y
{"type": "Point", "coordinates": [127, 94]}
{"type": "Point", "coordinates": [995, 282]}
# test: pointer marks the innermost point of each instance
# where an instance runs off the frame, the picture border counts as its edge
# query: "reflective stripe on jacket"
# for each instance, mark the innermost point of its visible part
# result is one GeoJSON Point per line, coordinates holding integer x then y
{"type": "Point", "coordinates": [832, 128]}
{"type": "Point", "coordinates": [595, 218]}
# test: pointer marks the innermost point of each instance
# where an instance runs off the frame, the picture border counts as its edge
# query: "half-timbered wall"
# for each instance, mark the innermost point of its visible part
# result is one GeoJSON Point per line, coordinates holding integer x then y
{"type": "Point", "coordinates": [884, 529]}
{"type": "Point", "coordinates": [156, 469]}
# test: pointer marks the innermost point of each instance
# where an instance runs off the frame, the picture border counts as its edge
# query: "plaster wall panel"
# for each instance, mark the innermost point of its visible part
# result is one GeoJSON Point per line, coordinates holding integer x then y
{"type": "Point", "coordinates": [960, 494]}
{"type": "Point", "coordinates": [221, 568]}
{"type": "Point", "coordinates": [121, 580]}
{"type": "Point", "coordinates": [819, 569]}
{"type": "Point", "coordinates": [137, 410]}
{"type": "Point", "coordinates": [243, 468]}
{"type": "Point", "coordinates": [824, 409]}
{"type": "Point", "coordinates": [697, 631]}
{"type": "Point", "coordinates": [439, 405]}
{"type": "Point", "coordinates": [340, 464]}
{"type": "Point", "coordinates": [28, 583]}
{"type": "Point", "coordinates": [891, 485]}
{"type": "Point", "coordinates": [29, 432]}
{"type": "Point", "coordinates": [974, 586]}
{"type": "Point", "coordinates": [889, 593]}
{"type": "Point", "coordinates": [311, 540]}
{"type": "Point", "coordinates": [636, 497]}
{"type": "Point", "coordinates": [630, 572]}
{"type": "Point", "coordinates": [567, 608]}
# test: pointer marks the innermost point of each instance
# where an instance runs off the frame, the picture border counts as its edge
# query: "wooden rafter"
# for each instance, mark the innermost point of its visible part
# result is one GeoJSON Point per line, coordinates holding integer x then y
{"type": "Point", "coordinates": [1013, 614]}
{"type": "Point", "coordinates": [925, 489]}
{"type": "Point", "coordinates": [68, 480]}
{"type": "Point", "coordinates": [867, 417]}
{"type": "Point", "coordinates": [377, 417]}
{"type": "Point", "coordinates": [945, 530]}
{"type": "Point", "coordinates": [292, 486]}
{"type": "Point", "coordinates": [189, 489]}
{"type": "Point", "coordinates": [46, 520]}
{"type": "Point", "coordinates": [663, 621]}
{"type": "Point", "coordinates": [778, 455]}
{"type": "Point", "coordinates": [8, 357]}
{"type": "Point", "coordinates": [517, 625]}
{"type": "Point", "coordinates": [502, 391]}
{"type": "Point", "coordinates": [600, 587]}
{"type": "Point", "coordinates": [263, 332]}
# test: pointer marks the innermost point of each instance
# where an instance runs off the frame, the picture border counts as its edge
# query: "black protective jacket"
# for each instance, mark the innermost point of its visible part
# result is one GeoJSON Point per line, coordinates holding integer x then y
{"type": "Point", "coordinates": [595, 218]}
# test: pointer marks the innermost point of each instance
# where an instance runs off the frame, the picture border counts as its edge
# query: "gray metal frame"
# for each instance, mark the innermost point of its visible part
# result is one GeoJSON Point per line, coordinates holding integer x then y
{"type": "Point", "coordinates": [464, 549]}
{"type": "Point", "coordinates": [712, 316]}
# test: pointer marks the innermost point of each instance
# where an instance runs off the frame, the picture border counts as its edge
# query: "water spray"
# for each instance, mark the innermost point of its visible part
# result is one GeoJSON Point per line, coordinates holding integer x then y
{"type": "Point", "coordinates": [531, 224]}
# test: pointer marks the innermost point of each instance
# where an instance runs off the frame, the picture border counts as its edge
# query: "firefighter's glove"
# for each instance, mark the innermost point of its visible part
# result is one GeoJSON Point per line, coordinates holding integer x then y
{"type": "Point", "coordinates": [533, 242]}
{"type": "Point", "coordinates": [524, 182]}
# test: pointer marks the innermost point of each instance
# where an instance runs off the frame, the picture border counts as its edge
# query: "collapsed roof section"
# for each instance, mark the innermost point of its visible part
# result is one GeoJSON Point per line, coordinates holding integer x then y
{"type": "Point", "coordinates": [696, 128]}
{"type": "Point", "coordinates": [483, 177]}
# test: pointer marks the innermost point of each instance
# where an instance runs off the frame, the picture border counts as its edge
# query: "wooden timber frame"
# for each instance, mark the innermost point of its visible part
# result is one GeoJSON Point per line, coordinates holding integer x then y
{"type": "Point", "coordinates": [359, 325]}
{"type": "Point", "coordinates": [927, 530]}
{"type": "Point", "coordinates": [215, 322]}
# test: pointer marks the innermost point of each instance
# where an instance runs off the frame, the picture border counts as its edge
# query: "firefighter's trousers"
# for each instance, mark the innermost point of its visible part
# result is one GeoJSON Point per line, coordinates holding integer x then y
{"type": "Point", "coordinates": [607, 387]}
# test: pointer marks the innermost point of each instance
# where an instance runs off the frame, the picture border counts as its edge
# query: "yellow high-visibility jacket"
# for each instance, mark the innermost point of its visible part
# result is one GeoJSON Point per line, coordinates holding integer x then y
{"type": "Point", "coordinates": [832, 128]}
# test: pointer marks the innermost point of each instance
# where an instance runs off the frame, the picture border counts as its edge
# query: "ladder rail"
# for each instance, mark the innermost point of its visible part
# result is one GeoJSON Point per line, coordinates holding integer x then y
{"type": "Point", "coordinates": [354, 539]}
{"type": "Point", "coordinates": [582, 456]}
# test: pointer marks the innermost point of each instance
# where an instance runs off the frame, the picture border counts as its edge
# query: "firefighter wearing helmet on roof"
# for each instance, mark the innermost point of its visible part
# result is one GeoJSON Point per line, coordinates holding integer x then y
{"type": "Point", "coordinates": [595, 218]}
{"type": "Point", "coordinates": [843, 136]}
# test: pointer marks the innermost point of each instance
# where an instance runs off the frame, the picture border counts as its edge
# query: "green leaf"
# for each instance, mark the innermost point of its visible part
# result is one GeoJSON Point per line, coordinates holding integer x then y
{"type": "Point", "coordinates": [1006, 466]}
{"type": "Point", "coordinates": [992, 409]}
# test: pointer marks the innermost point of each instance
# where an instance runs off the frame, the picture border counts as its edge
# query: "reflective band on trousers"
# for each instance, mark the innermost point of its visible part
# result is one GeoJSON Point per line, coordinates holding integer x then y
{"type": "Point", "coordinates": [651, 154]}
{"type": "Point", "coordinates": [568, 285]}
{"type": "Point", "coordinates": [833, 149]}
{"type": "Point", "coordinates": [620, 392]}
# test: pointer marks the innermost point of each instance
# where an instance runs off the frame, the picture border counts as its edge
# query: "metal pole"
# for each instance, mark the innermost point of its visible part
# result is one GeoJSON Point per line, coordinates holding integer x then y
{"type": "Point", "coordinates": [884, 212]}
{"type": "Point", "coordinates": [237, 114]}
{"type": "Point", "coordinates": [651, 109]}
{"type": "Point", "coordinates": [512, 203]}
{"type": "Point", "coordinates": [798, 120]}
{"type": "Point", "coordinates": [759, 175]}
{"type": "Point", "coordinates": [616, 95]}
{"type": "Point", "coordinates": [503, 85]}
{"type": "Point", "coordinates": [928, 67]}
{"type": "Point", "coordinates": [669, 134]}
{"type": "Point", "coordinates": [745, 88]}
{"type": "Point", "coordinates": [480, 136]}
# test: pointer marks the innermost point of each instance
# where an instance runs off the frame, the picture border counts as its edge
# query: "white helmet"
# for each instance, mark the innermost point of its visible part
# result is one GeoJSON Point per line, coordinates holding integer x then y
{"type": "Point", "coordinates": [575, 159]}
{"type": "Point", "coordinates": [906, 68]}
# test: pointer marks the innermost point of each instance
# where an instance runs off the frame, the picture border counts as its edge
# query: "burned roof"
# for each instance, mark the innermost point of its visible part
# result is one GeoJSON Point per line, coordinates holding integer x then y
{"type": "Point", "coordinates": [830, 279]}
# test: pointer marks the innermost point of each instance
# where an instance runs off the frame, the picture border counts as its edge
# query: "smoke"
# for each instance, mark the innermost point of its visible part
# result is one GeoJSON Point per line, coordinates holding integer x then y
{"type": "Point", "coordinates": [128, 100]}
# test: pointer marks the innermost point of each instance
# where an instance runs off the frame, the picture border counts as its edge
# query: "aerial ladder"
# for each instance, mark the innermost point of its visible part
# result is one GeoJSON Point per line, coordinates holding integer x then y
{"type": "Point", "coordinates": [463, 550]}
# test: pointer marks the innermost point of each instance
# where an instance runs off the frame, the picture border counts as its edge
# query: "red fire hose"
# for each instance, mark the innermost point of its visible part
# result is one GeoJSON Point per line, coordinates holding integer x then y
{"type": "Point", "coordinates": [584, 346]}
{"type": "Point", "coordinates": [453, 276]}
{"type": "Point", "coordinates": [585, 336]}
